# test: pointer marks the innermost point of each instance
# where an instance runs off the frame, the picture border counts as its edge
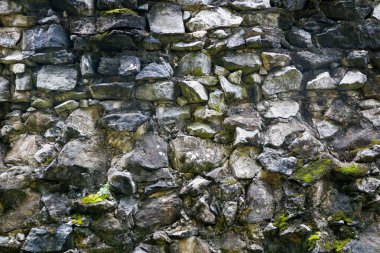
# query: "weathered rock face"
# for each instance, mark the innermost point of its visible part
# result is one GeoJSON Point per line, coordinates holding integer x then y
{"type": "Point", "coordinates": [189, 126]}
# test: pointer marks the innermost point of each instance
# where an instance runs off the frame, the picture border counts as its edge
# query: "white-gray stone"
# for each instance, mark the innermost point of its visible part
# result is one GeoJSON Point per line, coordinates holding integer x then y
{"type": "Point", "coordinates": [4, 90]}
{"type": "Point", "coordinates": [322, 81]}
{"type": "Point", "coordinates": [282, 109]}
{"type": "Point", "coordinates": [283, 80]}
{"type": "Point", "coordinates": [232, 91]}
{"type": "Point", "coordinates": [166, 18]}
{"type": "Point", "coordinates": [352, 80]}
{"type": "Point", "coordinates": [250, 4]}
{"type": "Point", "coordinates": [213, 18]}
{"type": "Point", "coordinates": [243, 163]}
{"type": "Point", "coordinates": [245, 137]}
{"type": "Point", "coordinates": [193, 91]}
{"type": "Point", "coordinates": [60, 78]}
{"type": "Point", "coordinates": [9, 37]}
{"type": "Point", "coordinates": [164, 90]}
{"type": "Point", "coordinates": [129, 65]}
{"type": "Point", "coordinates": [276, 133]}
{"type": "Point", "coordinates": [376, 12]}
{"type": "Point", "coordinates": [325, 128]}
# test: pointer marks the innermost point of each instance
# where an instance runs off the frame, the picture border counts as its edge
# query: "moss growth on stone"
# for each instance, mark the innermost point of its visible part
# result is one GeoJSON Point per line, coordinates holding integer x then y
{"type": "Point", "coordinates": [314, 171]}
{"type": "Point", "coordinates": [77, 219]}
{"type": "Point", "coordinates": [350, 171]}
{"type": "Point", "coordinates": [280, 221]}
{"type": "Point", "coordinates": [339, 244]}
{"type": "Point", "coordinates": [103, 194]}
{"type": "Point", "coordinates": [340, 215]}
{"type": "Point", "coordinates": [99, 36]}
{"type": "Point", "coordinates": [119, 11]}
{"type": "Point", "coordinates": [312, 240]}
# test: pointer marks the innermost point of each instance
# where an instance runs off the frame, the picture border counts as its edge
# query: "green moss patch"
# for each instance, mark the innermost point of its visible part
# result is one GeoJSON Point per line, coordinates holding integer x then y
{"type": "Point", "coordinates": [340, 215]}
{"type": "Point", "coordinates": [280, 221]}
{"type": "Point", "coordinates": [103, 194]}
{"type": "Point", "coordinates": [311, 241]}
{"type": "Point", "coordinates": [350, 171]}
{"type": "Point", "coordinates": [119, 11]}
{"type": "Point", "coordinates": [313, 171]}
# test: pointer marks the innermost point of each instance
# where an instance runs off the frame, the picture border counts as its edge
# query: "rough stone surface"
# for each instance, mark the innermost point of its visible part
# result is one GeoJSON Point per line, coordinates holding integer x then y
{"type": "Point", "coordinates": [166, 18]}
{"type": "Point", "coordinates": [286, 79]}
{"type": "Point", "coordinates": [57, 78]}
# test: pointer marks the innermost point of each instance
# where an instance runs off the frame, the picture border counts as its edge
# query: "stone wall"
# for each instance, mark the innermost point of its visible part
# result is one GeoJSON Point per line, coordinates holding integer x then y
{"type": "Point", "coordinates": [189, 126]}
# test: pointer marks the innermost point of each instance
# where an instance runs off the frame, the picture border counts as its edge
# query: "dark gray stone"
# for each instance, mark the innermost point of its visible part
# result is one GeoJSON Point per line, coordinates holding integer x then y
{"type": "Point", "coordinates": [348, 9]}
{"type": "Point", "coordinates": [109, 66]}
{"type": "Point", "coordinates": [108, 22]}
{"type": "Point", "coordinates": [157, 212]}
{"type": "Point", "coordinates": [123, 122]}
{"type": "Point", "coordinates": [53, 36]}
{"type": "Point", "coordinates": [45, 239]}
{"type": "Point", "coordinates": [299, 38]}
{"type": "Point", "coordinates": [74, 7]}
{"type": "Point", "coordinates": [120, 91]}
{"type": "Point", "coordinates": [5, 93]}
{"type": "Point", "coordinates": [261, 201]}
{"type": "Point", "coordinates": [150, 152]}
{"type": "Point", "coordinates": [274, 161]}
{"type": "Point", "coordinates": [121, 182]}
{"type": "Point", "coordinates": [155, 71]}
{"type": "Point", "coordinates": [247, 62]}
{"type": "Point", "coordinates": [317, 59]}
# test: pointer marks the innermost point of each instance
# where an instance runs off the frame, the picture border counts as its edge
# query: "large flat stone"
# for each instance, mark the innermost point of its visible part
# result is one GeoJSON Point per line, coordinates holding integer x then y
{"type": "Point", "coordinates": [59, 78]}
{"type": "Point", "coordinates": [53, 36]}
{"type": "Point", "coordinates": [166, 18]}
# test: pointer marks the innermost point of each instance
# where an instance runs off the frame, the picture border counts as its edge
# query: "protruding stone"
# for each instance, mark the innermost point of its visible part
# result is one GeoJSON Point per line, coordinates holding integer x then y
{"type": "Point", "coordinates": [123, 122]}
{"type": "Point", "coordinates": [193, 91]}
{"type": "Point", "coordinates": [322, 81]}
{"type": "Point", "coordinates": [66, 106]}
{"type": "Point", "coordinates": [352, 80]}
{"type": "Point", "coordinates": [164, 90]}
{"type": "Point", "coordinates": [325, 128]}
{"type": "Point", "coordinates": [243, 163]}
{"type": "Point", "coordinates": [59, 78]}
{"type": "Point", "coordinates": [166, 18]}
{"type": "Point", "coordinates": [232, 91]}
{"type": "Point", "coordinates": [271, 60]}
{"type": "Point", "coordinates": [112, 90]}
{"type": "Point", "coordinates": [121, 182]}
{"type": "Point", "coordinates": [274, 161]}
{"type": "Point", "coordinates": [299, 38]}
{"type": "Point", "coordinates": [277, 133]}
{"type": "Point", "coordinates": [250, 5]}
{"type": "Point", "coordinates": [214, 18]}
{"type": "Point", "coordinates": [283, 80]}
{"type": "Point", "coordinates": [191, 154]}
{"type": "Point", "coordinates": [9, 37]}
{"type": "Point", "coordinates": [260, 198]}
{"type": "Point", "coordinates": [129, 65]}
{"type": "Point", "coordinates": [53, 36]}
{"type": "Point", "coordinates": [247, 62]}
{"type": "Point", "coordinates": [201, 130]}
{"type": "Point", "coordinates": [155, 71]}
{"type": "Point", "coordinates": [196, 64]}
{"type": "Point", "coordinates": [282, 109]}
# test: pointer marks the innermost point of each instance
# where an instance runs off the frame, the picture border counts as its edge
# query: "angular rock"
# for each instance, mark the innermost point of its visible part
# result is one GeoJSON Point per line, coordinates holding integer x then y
{"type": "Point", "coordinates": [120, 91]}
{"type": "Point", "coordinates": [232, 92]}
{"type": "Point", "coordinates": [191, 46]}
{"type": "Point", "coordinates": [24, 82]}
{"type": "Point", "coordinates": [114, 21]}
{"type": "Point", "coordinates": [274, 161]}
{"type": "Point", "coordinates": [45, 239]}
{"type": "Point", "coordinates": [9, 37]}
{"type": "Point", "coordinates": [356, 59]}
{"type": "Point", "coordinates": [277, 133]}
{"type": "Point", "coordinates": [283, 80]}
{"type": "Point", "coordinates": [150, 153]}
{"type": "Point", "coordinates": [243, 163]}
{"type": "Point", "coordinates": [164, 90]}
{"type": "Point", "coordinates": [317, 59]}
{"type": "Point", "coordinates": [214, 18]}
{"type": "Point", "coordinates": [376, 12]}
{"type": "Point", "coordinates": [83, 25]}
{"type": "Point", "coordinates": [193, 91]}
{"type": "Point", "coordinates": [325, 128]}
{"type": "Point", "coordinates": [322, 81]}
{"type": "Point", "coordinates": [123, 122]}
{"type": "Point", "coordinates": [348, 10]}
{"type": "Point", "coordinates": [306, 145]}
{"type": "Point", "coordinates": [87, 65]}
{"type": "Point", "coordinates": [129, 65]}
{"type": "Point", "coordinates": [66, 106]}
{"type": "Point", "coordinates": [155, 71]}
{"type": "Point", "coordinates": [373, 116]}
{"type": "Point", "coordinates": [158, 212]}
{"type": "Point", "coordinates": [299, 38]}
{"type": "Point", "coordinates": [116, 4]}
{"type": "Point", "coordinates": [341, 112]}
{"type": "Point", "coordinates": [75, 7]}
{"type": "Point", "coordinates": [53, 36]}
{"type": "Point", "coordinates": [352, 80]}
{"type": "Point", "coordinates": [235, 77]}
{"type": "Point", "coordinates": [195, 187]}
{"type": "Point", "coordinates": [247, 62]}
{"type": "Point", "coordinates": [244, 137]}
{"type": "Point", "coordinates": [271, 60]}
{"type": "Point", "coordinates": [192, 244]}
{"type": "Point", "coordinates": [201, 130]}
{"type": "Point", "coordinates": [368, 155]}
{"type": "Point", "coordinates": [196, 64]}
{"type": "Point", "coordinates": [23, 150]}
{"type": "Point", "coordinates": [88, 155]}
{"type": "Point", "coordinates": [250, 5]}
{"type": "Point", "coordinates": [260, 198]}
{"type": "Point", "coordinates": [5, 93]}
{"type": "Point", "coordinates": [282, 109]}
{"type": "Point", "coordinates": [58, 206]}
{"type": "Point", "coordinates": [109, 66]}
{"type": "Point", "coordinates": [121, 182]}
{"type": "Point", "coordinates": [57, 78]}
{"type": "Point", "coordinates": [169, 115]}
{"type": "Point", "coordinates": [191, 154]}
{"type": "Point", "coordinates": [166, 18]}
{"type": "Point", "coordinates": [82, 122]}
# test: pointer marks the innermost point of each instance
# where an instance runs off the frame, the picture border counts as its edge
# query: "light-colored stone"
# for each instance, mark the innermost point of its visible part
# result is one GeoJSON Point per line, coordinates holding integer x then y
{"type": "Point", "coordinates": [193, 91]}
{"type": "Point", "coordinates": [276, 133]}
{"type": "Point", "coordinates": [250, 4]}
{"type": "Point", "coordinates": [214, 18]}
{"type": "Point", "coordinates": [232, 91]}
{"type": "Point", "coordinates": [282, 109]}
{"type": "Point", "coordinates": [352, 80]}
{"type": "Point", "coordinates": [243, 163]}
{"type": "Point", "coordinates": [322, 81]}
{"type": "Point", "coordinates": [325, 128]}
{"type": "Point", "coordinates": [9, 37]}
{"type": "Point", "coordinates": [164, 90]}
{"type": "Point", "coordinates": [59, 78]}
{"type": "Point", "coordinates": [283, 80]}
{"type": "Point", "coordinates": [166, 18]}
